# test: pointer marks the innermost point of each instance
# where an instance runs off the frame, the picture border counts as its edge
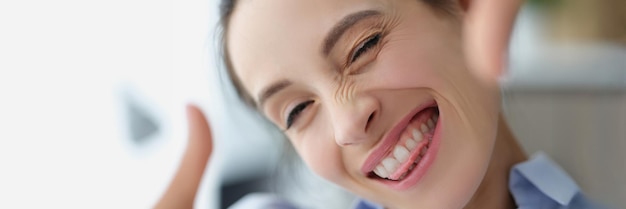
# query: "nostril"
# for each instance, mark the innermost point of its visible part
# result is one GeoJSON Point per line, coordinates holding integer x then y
{"type": "Point", "coordinates": [369, 120]}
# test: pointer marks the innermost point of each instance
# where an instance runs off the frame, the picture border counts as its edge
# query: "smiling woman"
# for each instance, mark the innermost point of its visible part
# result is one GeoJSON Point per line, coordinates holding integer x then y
{"type": "Point", "coordinates": [376, 97]}
{"type": "Point", "coordinates": [379, 97]}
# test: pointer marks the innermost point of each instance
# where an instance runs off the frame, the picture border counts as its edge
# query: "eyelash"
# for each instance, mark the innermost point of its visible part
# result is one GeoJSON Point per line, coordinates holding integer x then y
{"type": "Point", "coordinates": [365, 46]}
{"type": "Point", "coordinates": [295, 112]}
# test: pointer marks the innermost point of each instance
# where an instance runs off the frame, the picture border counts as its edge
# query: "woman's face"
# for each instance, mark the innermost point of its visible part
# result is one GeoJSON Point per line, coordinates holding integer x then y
{"type": "Point", "coordinates": [374, 95]}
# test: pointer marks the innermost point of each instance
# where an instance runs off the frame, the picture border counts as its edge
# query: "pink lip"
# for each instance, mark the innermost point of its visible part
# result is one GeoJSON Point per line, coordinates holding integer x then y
{"type": "Point", "coordinates": [390, 139]}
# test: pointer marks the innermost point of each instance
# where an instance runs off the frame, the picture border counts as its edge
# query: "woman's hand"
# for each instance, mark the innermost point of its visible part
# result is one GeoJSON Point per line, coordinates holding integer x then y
{"type": "Point", "coordinates": [487, 31]}
{"type": "Point", "coordinates": [182, 190]}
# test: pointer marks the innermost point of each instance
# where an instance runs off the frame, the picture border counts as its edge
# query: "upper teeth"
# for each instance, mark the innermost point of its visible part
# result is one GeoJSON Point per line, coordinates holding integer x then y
{"type": "Point", "coordinates": [401, 152]}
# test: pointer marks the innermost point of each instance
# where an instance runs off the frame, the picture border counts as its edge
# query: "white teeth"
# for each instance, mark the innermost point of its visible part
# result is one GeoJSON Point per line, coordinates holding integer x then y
{"type": "Point", "coordinates": [381, 171]}
{"type": "Point", "coordinates": [391, 164]}
{"type": "Point", "coordinates": [417, 136]}
{"type": "Point", "coordinates": [401, 153]}
{"type": "Point", "coordinates": [411, 144]}
{"type": "Point", "coordinates": [423, 128]}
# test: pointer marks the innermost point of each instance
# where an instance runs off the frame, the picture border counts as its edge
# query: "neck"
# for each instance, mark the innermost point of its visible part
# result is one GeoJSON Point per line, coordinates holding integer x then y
{"type": "Point", "coordinates": [493, 192]}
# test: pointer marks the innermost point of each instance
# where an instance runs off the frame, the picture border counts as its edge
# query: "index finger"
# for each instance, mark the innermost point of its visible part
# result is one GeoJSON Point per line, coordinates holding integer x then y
{"type": "Point", "coordinates": [487, 32]}
{"type": "Point", "coordinates": [182, 190]}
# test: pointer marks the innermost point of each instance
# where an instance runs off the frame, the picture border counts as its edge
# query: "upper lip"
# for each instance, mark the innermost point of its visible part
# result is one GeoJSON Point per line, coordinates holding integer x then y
{"type": "Point", "coordinates": [390, 139]}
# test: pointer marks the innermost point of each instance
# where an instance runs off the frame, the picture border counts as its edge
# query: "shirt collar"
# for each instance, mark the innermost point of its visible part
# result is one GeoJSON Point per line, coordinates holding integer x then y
{"type": "Point", "coordinates": [545, 175]}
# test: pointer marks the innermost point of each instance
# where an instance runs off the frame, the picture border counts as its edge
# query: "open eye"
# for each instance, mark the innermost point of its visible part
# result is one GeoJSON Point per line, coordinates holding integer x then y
{"type": "Point", "coordinates": [365, 46]}
{"type": "Point", "coordinates": [295, 112]}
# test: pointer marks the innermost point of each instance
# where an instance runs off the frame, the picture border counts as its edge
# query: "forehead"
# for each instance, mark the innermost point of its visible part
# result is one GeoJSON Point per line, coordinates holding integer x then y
{"type": "Point", "coordinates": [270, 38]}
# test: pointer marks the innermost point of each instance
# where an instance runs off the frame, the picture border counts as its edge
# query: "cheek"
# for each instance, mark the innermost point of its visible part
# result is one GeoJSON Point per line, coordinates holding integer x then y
{"type": "Point", "coordinates": [427, 62]}
{"type": "Point", "coordinates": [321, 154]}
{"type": "Point", "coordinates": [412, 64]}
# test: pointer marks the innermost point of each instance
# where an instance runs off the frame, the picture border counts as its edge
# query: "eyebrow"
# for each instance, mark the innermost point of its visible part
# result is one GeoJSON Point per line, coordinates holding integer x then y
{"type": "Point", "coordinates": [340, 28]}
{"type": "Point", "coordinates": [272, 90]}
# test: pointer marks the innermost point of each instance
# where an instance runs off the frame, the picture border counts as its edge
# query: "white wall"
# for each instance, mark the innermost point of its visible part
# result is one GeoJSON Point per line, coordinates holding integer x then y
{"type": "Point", "coordinates": [64, 68]}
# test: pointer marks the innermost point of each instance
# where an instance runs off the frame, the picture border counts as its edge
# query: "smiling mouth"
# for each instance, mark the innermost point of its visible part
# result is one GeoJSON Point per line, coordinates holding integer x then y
{"type": "Point", "coordinates": [410, 149]}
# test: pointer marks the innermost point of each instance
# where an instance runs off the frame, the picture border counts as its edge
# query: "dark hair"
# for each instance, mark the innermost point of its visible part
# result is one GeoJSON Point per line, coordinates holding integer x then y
{"type": "Point", "coordinates": [227, 7]}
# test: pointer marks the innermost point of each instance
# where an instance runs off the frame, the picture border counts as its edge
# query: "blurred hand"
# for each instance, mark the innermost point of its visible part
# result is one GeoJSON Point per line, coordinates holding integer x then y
{"type": "Point", "coordinates": [182, 190]}
{"type": "Point", "coordinates": [487, 31]}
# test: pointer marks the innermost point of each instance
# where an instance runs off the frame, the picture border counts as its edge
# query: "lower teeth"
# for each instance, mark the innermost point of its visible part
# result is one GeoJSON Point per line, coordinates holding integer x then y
{"type": "Point", "coordinates": [402, 177]}
{"type": "Point", "coordinates": [407, 172]}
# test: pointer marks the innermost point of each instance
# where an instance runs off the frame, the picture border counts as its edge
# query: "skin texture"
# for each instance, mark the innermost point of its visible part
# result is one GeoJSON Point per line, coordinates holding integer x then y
{"type": "Point", "coordinates": [408, 68]}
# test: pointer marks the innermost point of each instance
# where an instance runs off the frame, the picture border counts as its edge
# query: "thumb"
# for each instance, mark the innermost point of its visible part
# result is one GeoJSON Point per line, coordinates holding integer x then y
{"type": "Point", "coordinates": [182, 190]}
{"type": "Point", "coordinates": [487, 31]}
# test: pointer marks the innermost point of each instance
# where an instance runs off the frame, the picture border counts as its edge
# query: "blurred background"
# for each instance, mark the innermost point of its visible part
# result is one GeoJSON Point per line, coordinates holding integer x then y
{"type": "Point", "coordinates": [92, 98]}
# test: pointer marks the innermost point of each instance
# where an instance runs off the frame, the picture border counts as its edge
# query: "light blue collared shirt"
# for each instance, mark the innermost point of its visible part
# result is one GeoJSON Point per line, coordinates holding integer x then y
{"type": "Point", "coordinates": [541, 183]}
{"type": "Point", "coordinates": [538, 183]}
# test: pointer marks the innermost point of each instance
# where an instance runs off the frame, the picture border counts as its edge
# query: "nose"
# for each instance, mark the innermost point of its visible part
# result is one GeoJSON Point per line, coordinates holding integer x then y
{"type": "Point", "coordinates": [352, 120]}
